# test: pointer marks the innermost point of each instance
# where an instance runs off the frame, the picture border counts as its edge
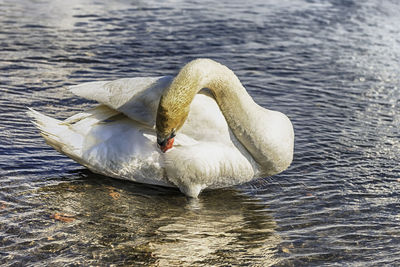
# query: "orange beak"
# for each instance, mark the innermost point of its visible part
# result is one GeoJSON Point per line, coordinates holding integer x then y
{"type": "Point", "coordinates": [167, 145]}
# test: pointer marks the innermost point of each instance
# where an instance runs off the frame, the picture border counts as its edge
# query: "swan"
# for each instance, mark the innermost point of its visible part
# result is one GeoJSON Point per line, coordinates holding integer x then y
{"type": "Point", "coordinates": [198, 130]}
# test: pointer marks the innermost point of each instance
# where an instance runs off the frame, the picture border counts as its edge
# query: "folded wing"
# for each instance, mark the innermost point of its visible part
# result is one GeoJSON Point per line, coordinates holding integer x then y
{"type": "Point", "coordinates": [137, 98]}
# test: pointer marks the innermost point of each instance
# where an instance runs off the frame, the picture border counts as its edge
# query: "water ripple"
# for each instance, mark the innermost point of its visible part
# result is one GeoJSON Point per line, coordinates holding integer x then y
{"type": "Point", "coordinates": [332, 66]}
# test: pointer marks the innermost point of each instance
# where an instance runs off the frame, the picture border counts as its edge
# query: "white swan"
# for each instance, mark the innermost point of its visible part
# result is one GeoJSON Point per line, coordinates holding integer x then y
{"type": "Point", "coordinates": [220, 136]}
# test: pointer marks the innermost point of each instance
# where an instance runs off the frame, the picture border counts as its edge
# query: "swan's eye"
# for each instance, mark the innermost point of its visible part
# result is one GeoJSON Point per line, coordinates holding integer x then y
{"type": "Point", "coordinates": [172, 134]}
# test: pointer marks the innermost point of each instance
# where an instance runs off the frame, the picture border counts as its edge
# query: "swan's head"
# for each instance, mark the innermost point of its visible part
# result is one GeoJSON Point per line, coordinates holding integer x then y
{"type": "Point", "coordinates": [174, 105]}
{"type": "Point", "coordinates": [170, 118]}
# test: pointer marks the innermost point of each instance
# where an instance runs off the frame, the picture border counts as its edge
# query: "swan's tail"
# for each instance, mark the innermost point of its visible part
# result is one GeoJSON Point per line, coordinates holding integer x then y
{"type": "Point", "coordinates": [58, 134]}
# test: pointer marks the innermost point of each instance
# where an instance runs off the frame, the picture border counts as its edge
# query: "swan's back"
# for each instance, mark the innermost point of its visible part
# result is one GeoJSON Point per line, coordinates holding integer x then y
{"type": "Point", "coordinates": [137, 98]}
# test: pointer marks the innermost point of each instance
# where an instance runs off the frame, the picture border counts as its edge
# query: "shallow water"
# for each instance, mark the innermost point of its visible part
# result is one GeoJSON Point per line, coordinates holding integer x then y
{"type": "Point", "coordinates": [331, 66]}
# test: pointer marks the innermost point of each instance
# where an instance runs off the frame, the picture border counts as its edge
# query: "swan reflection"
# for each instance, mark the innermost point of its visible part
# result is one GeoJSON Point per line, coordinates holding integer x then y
{"type": "Point", "coordinates": [133, 223]}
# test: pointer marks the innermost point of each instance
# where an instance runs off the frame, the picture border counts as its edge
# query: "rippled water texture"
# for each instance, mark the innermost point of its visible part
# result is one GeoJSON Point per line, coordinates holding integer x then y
{"type": "Point", "coordinates": [331, 66]}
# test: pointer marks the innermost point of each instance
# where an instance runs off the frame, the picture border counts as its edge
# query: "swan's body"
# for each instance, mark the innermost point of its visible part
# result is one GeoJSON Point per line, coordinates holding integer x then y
{"type": "Point", "coordinates": [212, 149]}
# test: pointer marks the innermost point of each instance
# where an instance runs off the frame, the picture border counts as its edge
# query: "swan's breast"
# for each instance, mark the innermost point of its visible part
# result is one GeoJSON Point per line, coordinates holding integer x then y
{"type": "Point", "coordinates": [208, 164]}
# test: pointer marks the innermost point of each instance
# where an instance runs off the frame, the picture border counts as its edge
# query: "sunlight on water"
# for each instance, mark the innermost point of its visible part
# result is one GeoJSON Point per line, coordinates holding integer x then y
{"type": "Point", "coordinates": [331, 66]}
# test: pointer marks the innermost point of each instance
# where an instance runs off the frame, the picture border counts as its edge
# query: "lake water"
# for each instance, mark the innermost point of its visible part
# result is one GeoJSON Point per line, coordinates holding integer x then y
{"type": "Point", "coordinates": [332, 66]}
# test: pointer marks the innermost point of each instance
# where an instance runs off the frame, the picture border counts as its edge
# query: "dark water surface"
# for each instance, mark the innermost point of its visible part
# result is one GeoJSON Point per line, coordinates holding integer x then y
{"type": "Point", "coordinates": [332, 66]}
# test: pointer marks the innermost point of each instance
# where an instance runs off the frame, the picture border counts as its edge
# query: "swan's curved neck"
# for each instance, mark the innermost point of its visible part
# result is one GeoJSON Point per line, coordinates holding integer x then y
{"type": "Point", "coordinates": [234, 101]}
{"type": "Point", "coordinates": [231, 96]}
{"type": "Point", "coordinates": [245, 118]}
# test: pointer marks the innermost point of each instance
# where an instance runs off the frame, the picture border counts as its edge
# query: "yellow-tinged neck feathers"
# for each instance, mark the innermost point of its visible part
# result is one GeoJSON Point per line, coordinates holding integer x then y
{"type": "Point", "coordinates": [258, 129]}
{"type": "Point", "coordinates": [198, 74]}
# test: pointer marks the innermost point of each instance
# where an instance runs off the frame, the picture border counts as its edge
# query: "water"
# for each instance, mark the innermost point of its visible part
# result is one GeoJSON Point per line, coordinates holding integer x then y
{"type": "Point", "coordinates": [331, 66]}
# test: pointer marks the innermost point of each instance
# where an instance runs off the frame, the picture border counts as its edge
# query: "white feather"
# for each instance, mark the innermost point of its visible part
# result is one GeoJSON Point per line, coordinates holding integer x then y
{"type": "Point", "coordinates": [118, 137]}
{"type": "Point", "coordinates": [135, 97]}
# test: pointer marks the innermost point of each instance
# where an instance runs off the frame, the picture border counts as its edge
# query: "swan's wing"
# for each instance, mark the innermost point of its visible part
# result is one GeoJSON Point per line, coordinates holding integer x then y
{"type": "Point", "coordinates": [107, 142]}
{"type": "Point", "coordinates": [122, 148]}
{"type": "Point", "coordinates": [137, 98]}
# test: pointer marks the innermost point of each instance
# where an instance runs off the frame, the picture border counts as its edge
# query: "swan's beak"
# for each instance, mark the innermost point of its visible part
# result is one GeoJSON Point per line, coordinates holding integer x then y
{"type": "Point", "coordinates": [165, 143]}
